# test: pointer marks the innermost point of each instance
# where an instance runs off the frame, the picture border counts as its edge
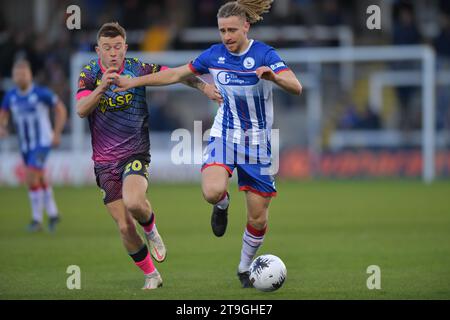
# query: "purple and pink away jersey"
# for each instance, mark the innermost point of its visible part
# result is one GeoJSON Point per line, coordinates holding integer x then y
{"type": "Point", "coordinates": [119, 124]}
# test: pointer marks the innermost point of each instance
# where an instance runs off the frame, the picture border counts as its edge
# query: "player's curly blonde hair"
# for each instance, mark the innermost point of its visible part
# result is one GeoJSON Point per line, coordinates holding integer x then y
{"type": "Point", "coordinates": [251, 10]}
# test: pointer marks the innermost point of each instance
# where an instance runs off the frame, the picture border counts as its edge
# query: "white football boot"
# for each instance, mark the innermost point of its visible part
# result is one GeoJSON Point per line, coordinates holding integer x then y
{"type": "Point", "coordinates": [156, 245]}
{"type": "Point", "coordinates": [152, 281]}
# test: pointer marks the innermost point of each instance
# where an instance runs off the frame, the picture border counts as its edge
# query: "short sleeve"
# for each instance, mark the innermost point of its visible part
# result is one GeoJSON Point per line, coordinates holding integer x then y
{"type": "Point", "coordinates": [6, 102]}
{"type": "Point", "coordinates": [201, 64]}
{"type": "Point", "coordinates": [48, 97]}
{"type": "Point", "coordinates": [149, 68]}
{"type": "Point", "coordinates": [274, 62]}
{"type": "Point", "coordinates": [86, 82]}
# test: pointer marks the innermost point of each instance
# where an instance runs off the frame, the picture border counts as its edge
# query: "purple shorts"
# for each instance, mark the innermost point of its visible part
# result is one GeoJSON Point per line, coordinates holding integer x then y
{"type": "Point", "coordinates": [110, 175]}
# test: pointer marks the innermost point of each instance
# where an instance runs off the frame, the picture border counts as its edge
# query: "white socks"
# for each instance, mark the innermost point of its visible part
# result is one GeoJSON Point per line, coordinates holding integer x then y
{"type": "Point", "coordinates": [223, 204]}
{"type": "Point", "coordinates": [40, 199]}
{"type": "Point", "coordinates": [50, 204]}
{"type": "Point", "coordinates": [37, 204]}
{"type": "Point", "coordinates": [251, 241]}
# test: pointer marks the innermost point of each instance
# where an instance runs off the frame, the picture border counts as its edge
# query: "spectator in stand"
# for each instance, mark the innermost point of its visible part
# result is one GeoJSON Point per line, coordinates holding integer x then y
{"type": "Point", "coordinates": [442, 46]}
{"type": "Point", "coordinates": [405, 32]}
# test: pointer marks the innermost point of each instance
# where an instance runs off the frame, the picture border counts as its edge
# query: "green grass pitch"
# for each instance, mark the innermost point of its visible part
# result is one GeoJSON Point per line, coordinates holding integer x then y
{"type": "Point", "coordinates": [326, 232]}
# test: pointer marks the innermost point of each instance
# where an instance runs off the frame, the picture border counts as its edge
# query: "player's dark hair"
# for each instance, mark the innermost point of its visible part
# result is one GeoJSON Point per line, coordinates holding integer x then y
{"type": "Point", "coordinates": [111, 30]}
{"type": "Point", "coordinates": [251, 10]}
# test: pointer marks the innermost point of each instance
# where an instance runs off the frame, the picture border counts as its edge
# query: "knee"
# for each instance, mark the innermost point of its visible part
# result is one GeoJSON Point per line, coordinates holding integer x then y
{"type": "Point", "coordinates": [213, 194]}
{"type": "Point", "coordinates": [259, 222]}
{"type": "Point", "coordinates": [135, 207]}
{"type": "Point", "coordinates": [32, 180]}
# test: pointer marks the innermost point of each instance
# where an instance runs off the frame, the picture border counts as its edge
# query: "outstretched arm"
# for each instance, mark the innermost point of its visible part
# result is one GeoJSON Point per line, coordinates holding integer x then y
{"type": "Point", "coordinates": [208, 90]}
{"type": "Point", "coordinates": [194, 82]}
{"type": "Point", "coordinates": [286, 79]}
{"type": "Point", "coordinates": [162, 78]}
{"type": "Point", "coordinates": [181, 74]}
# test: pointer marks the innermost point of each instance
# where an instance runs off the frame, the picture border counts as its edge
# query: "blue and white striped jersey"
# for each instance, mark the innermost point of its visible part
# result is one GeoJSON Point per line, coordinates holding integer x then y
{"type": "Point", "coordinates": [30, 112]}
{"type": "Point", "coordinates": [248, 101]}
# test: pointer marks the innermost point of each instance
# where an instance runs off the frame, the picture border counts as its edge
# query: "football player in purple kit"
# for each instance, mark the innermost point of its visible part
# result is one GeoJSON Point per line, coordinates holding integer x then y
{"type": "Point", "coordinates": [244, 71]}
{"type": "Point", "coordinates": [121, 146]}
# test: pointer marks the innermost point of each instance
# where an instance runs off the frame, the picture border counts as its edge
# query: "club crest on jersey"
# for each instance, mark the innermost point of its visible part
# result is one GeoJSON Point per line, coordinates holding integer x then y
{"type": "Point", "coordinates": [249, 62]}
{"type": "Point", "coordinates": [32, 99]}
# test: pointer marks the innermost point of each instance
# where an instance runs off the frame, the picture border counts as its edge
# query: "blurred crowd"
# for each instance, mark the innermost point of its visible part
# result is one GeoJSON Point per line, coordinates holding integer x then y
{"type": "Point", "coordinates": [157, 26]}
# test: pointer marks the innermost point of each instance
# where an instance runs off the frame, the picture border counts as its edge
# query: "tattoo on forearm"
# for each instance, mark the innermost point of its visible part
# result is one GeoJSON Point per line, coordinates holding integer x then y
{"type": "Point", "coordinates": [195, 83]}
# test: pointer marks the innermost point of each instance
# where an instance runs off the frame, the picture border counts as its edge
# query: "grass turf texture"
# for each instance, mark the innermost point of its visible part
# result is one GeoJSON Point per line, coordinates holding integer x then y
{"type": "Point", "coordinates": [326, 232]}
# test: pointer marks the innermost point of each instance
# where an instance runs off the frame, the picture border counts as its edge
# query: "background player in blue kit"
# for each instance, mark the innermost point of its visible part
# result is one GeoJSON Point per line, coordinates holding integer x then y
{"type": "Point", "coordinates": [30, 106]}
{"type": "Point", "coordinates": [243, 71]}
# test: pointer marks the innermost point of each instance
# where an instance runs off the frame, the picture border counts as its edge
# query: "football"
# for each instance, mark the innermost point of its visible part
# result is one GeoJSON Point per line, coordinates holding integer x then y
{"type": "Point", "coordinates": [267, 273]}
